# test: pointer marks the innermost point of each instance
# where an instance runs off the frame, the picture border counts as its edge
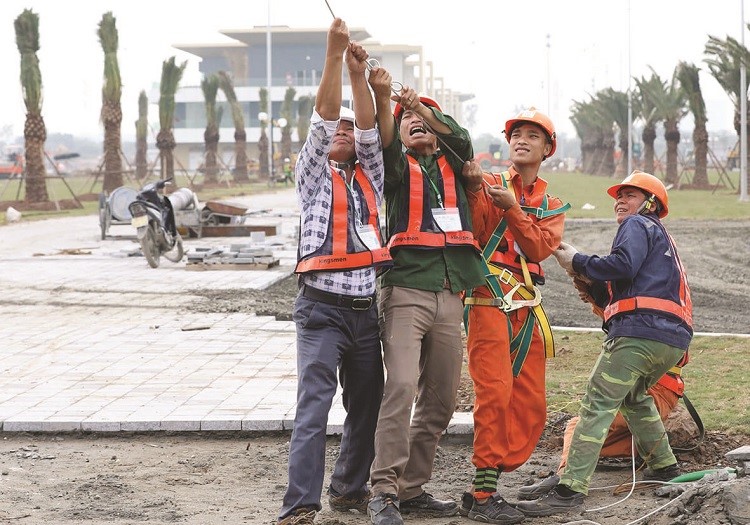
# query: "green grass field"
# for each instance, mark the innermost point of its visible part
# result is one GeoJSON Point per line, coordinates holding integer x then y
{"type": "Point", "coordinates": [716, 378]}
{"type": "Point", "coordinates": [579, 189]}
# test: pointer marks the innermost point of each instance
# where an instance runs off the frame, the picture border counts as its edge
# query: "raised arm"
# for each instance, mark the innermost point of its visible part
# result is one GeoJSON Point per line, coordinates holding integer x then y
{"type": "Point", "coordinates": [328, 100]}
{"type": "Point", "coordinates": [380, 81]}
{"type": "Point", "coordinates": [364, 109]}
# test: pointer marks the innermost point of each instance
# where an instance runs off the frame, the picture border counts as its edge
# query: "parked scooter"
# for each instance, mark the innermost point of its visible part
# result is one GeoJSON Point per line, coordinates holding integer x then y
{"type": "Point", "coordinates": [153, 216]}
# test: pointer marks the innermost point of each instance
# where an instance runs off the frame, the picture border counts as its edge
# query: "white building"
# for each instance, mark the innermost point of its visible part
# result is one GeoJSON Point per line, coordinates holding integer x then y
{"type": "Point", "coordinates": [297, 58]}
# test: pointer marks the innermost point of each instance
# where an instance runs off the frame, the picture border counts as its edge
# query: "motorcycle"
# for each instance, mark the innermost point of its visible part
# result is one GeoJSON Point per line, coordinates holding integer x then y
{"type": "Point", "coordinates": [153, 217]}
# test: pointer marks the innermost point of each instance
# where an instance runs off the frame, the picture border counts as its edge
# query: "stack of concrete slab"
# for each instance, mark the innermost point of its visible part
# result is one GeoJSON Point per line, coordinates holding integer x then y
{"type": "Point", "coordinates": [233, 257]}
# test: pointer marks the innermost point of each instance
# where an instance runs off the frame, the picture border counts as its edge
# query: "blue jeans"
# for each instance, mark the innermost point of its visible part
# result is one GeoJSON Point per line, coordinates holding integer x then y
{"type": "Point", "coordinates": [331, 338]}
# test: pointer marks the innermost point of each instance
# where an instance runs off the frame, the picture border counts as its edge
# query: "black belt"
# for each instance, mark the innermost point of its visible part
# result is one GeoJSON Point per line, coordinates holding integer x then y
{"type": "Point", "coordinates": [345, 301]}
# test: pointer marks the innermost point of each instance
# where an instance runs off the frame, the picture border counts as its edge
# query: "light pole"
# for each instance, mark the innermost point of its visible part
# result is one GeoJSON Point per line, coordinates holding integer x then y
{"type": "Point", "coordinates": [630, 106]}
{"type": "Point", "coordinates": [549, 108]}
{"type": "Point", "coordinates": [743, 114]}
{"type": "Point", "coordinates": [270, 96]}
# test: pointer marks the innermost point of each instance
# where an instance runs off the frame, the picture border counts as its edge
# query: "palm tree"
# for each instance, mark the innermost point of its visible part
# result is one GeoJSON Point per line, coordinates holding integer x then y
{"type": "Point", "coordinates": [724, 58]}
{"type": "Point", "coordinates": [34, 131]}
{"type": "Point", "coordinates": [141, 138]}
{"type": "Point", "coordinates": [687, 74]}
{"type": "Point", "coordinates": [304, 112]}
{"type": "Point", "coordinates": [614, 106]}
{"type": "Point", "coordinates": [240, 137]}
{"type": "Point", "coordinates": [286, 131]}
{"type": "Point", "coordinates": [111, 114]}
{"type": "Point", "coordinates": [584, 120]}
{"type": "Point", "coordinates": [263, 159]}
{"type": "Point", "coordinates": [671, 106]}
{"type": "Point", "coordinates": [648, 112]}
{"type": "Point", "coordinates": [171, 74]}
{"type": "Point", "coordinates": [210, 87]}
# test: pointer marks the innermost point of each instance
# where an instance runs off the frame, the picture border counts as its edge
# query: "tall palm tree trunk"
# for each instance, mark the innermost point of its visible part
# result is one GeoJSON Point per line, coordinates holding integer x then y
{"type": "Point", "coordinates": [34, 131]}
{"type": "Point", "coordinates": [141, 138]}
{"type": "Point", "coordinates": [166, 144]}
{"type": "Point", "coordinates": [672, 136]}
{"type": "Point", "coordinates": [649, 137]}
{"type": "Point", "coordinates": [211, 140]}
{"type": "Point", "coordinates": [700, 144]}
{"type": "Point", "coordinates": [112, 118]}
{"type": "Point", "coordinates": [111, 114]}
{"type": "Point", "coordinates": [35, 134]}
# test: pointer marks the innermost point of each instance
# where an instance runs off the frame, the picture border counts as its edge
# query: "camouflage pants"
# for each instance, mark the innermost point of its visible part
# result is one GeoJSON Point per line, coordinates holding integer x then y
{"type": "Point", "coordinates": [626, 368]}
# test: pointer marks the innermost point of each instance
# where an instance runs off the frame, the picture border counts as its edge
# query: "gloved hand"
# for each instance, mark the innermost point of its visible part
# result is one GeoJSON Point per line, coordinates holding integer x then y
{"type": "Point", "coordinates": [564, 255]}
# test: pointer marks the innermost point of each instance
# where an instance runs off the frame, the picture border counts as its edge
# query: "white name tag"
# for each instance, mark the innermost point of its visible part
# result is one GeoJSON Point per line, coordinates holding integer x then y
{"type": "Point", "coordinates": [448, 219]}
{"type": "Point", "coordinates": [367, 235]}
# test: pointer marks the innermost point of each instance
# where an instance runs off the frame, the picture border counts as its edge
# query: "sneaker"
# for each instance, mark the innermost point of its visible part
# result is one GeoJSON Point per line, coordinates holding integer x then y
{"type": "Point", "coordinates": [537, 490]}
{"type": "Point", "coordinates": [551, 503]}
{"type": "Point", "coordinates": [467, 500]}
{"type": "Point", "coordinates": [427, 505]}
{"type": "Point", "coordinates": [383, 510]}
{"type": "Point", "coordinates": [494, 510]}
{"type": "Point", "coordinates": [346, 503]}
{"type": "Point", "coordinates": [661, 474]}
{"type": "Point", "coordinates": [301, 516]}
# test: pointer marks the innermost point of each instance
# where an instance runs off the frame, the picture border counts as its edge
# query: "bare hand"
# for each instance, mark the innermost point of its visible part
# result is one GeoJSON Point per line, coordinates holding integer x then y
{"type": "Point", "coordinates": [502, 197]}
{"type": "Point", "coordinates": [338, 37]}
{"type": "Point", "coordinates": [472, 172]}
{"type": "Point", "coordinates": [380, 82]}
{"type": "Point", "coordinates": [408, 98]}
{"type": "Point", "coordinates": [356, 57]}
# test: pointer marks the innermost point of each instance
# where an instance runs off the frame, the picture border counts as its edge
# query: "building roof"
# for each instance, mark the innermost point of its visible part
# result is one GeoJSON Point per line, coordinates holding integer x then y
{"type": "Point", "coordinates": [287, 35]}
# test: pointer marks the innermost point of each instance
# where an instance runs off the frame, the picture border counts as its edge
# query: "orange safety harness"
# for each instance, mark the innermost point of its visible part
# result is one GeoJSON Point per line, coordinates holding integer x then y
{"type": "Point", "coordinates": [339, 256]}
{"type": "Point", "coordinates": [416, 232]}
{"type": "Point", "coordinates": [496, 272]}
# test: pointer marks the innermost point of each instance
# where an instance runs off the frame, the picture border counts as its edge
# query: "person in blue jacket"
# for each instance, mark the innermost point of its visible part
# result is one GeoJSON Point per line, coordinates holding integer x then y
{"type": "Point", "coordinates": [642, 288]}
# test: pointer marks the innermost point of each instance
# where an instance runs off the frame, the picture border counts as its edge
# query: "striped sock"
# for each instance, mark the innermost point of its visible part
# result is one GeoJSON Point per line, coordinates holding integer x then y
{"type": "Point", "coordinates": [485, 482]}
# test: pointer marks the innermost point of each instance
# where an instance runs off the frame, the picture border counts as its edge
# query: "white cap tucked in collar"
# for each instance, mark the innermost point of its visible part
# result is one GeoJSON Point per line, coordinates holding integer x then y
{"type": "Point", "coordinates": [346, 114]}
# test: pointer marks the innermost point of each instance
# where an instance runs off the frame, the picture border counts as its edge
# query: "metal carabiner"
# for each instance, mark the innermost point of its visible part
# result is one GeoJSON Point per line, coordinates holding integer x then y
{"type": "Point", "coordinates": [396, 86]}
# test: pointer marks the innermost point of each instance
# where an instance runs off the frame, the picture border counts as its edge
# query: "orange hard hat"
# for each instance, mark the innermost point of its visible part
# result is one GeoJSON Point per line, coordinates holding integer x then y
{"type": "Point", "coordinates": [648, 183]}
{"type": "Point", "coordinates": [535, 117]}
{"type": "Point", "coordinates": [427, 101]}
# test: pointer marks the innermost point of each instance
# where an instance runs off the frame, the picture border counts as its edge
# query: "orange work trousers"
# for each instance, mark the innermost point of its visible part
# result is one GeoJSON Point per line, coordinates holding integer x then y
{"type": "Point", "coordinates": [509, 412]}
{"type": "Point", "coordinates": [618, 441]}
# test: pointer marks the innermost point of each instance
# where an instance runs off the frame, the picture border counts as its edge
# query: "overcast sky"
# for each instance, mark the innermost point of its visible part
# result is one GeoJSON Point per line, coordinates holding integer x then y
{"type": "Point", "coordinates": [494, 49]}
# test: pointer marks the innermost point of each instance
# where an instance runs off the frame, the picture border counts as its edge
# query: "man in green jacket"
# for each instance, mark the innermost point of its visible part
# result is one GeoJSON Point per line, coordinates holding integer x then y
{"type": "Point", "coordinates": [435, 258]}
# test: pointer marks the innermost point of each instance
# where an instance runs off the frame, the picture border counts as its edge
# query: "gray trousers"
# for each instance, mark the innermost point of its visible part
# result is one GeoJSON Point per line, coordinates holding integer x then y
{"type": "Point", "coordinates": [422, 351]}
{"type": "Point", "coordinates": [331, 338]}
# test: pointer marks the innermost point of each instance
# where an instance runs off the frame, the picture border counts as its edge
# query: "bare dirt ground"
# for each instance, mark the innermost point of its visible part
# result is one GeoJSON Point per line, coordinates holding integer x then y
{"type": "Point", "coordinates": [234, 478]}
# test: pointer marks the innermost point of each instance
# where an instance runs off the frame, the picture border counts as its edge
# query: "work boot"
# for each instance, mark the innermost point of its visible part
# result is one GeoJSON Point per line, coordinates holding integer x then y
{"type": "Point", "coordinates": [383, 510]}
{"type": "Point", "coordinates": [667, 473]}
{"type": "Point", "coordinates": [552, 502]}
{"type": "Point", "coordinates": [427, 505]}
{"type": "Point", "coordinates": [495, 510]}
{"type": "Point", "coordinates": [537, 490]}
{"type": "Point", "coordinates": [467, 500]}
{"type": "Point", "coordinates": [301, 516]}
{"type": "Point", "coordinates": [346, 503]}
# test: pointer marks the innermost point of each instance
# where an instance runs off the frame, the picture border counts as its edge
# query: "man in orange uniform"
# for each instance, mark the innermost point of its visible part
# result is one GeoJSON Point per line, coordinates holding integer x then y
{"type": "Point", "coordinates": [518, 226]}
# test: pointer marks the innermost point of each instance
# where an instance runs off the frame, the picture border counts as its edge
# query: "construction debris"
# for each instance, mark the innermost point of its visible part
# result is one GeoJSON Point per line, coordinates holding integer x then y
{"type": "Point", "coordinates": [235, 257]}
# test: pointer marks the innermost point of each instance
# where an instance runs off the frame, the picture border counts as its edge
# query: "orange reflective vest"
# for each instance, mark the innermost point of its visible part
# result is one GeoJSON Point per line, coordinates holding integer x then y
{"type": "Point", "coordinates": [421, 229]}
{"type": "Point", "coordinates": [682, 310]}
{"type": "Point", "coordinates": [343, 249]}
